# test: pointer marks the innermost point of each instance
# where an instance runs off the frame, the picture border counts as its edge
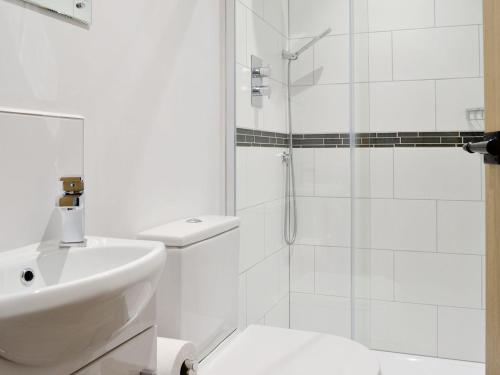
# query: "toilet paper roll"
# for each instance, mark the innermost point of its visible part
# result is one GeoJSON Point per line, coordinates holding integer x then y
{"type": "Point", "coordinates": [172, 354]}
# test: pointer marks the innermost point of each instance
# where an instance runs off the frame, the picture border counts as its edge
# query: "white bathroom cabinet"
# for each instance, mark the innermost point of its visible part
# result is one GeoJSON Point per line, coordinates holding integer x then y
{"type": "Point", "coordinates": [131, 358]}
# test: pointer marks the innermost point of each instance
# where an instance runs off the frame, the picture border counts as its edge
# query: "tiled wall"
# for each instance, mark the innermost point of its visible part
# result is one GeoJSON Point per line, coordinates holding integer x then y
{"type": "Point", "coordinates": [410, 218]}
{"type": "Point", "coordinates": [262, 29]}
{"type": "Point", "coordinates": [419, 211]}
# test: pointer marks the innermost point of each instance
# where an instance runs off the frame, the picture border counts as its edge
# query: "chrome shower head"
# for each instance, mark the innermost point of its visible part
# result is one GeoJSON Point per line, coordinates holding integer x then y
{"type": "Point", "coordinates": [295, 55]}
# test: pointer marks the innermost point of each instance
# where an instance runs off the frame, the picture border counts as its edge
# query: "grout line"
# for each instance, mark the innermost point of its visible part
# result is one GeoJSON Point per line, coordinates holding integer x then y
{"type": "Point", "coordinates": [390, 301]}
{"type": "Point", "coordinates": [392, 30]}
{"type": "Point", "coordinates": [479, 49]}
{"type": "Point", "coordinates": [435, 106]}
{"type": "Point", "coordinates": [435, 23]}
{"type": "Point", "coordinates": [394, 173]}
{"type": "Point", "coordinates": [392, 54]}
{"type": "Point", "coordinates": [437, 330]}
{"type": "Point", "coordinates": [437, 227]}
{"type": "Point", "coordinates": [394, 275]}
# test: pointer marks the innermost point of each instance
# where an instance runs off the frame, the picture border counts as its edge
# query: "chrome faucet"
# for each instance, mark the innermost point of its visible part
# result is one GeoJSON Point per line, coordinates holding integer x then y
{"type": "Point", "coordinates": [72, 212]}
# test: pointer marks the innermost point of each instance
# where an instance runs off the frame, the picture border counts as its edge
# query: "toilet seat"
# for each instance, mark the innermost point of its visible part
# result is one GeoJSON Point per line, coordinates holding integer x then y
{"type": "Point", "coordinates": [261, 350]}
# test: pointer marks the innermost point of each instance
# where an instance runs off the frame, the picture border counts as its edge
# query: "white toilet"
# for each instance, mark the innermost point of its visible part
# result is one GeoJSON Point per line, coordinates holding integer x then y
{"type": "Point", "coordinates": [197, 297]}
{"type": "Point", "coordinates": [197, 301]}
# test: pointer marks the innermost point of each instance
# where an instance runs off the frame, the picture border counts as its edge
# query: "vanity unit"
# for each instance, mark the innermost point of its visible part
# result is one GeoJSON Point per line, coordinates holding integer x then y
{"type": "Point", "coordinates": [85, 310]}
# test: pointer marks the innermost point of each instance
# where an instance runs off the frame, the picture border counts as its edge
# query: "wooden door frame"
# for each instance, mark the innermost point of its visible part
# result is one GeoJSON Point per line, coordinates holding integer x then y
{"type": "Point", "coordinates": [491, 11]}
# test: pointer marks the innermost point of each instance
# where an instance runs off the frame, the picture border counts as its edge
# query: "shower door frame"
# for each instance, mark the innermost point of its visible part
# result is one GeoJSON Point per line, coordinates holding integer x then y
{"type": "Point", "coordinates": [230, 105]}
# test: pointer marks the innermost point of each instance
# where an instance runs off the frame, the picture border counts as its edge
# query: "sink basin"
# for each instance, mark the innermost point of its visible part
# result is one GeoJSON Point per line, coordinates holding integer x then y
{"type": "Point", "coordinates": [78, 301]}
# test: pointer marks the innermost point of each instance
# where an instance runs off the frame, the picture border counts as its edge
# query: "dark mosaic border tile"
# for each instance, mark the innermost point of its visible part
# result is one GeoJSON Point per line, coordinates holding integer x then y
{"type": "Point", "coordinates": [258, 138]}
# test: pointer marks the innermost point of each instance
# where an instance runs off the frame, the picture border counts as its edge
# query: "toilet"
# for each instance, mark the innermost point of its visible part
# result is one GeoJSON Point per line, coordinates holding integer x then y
{"type": "Point", "coordinates": [197, 301]}
{"type": "Point", "coordinates": [197, 296]}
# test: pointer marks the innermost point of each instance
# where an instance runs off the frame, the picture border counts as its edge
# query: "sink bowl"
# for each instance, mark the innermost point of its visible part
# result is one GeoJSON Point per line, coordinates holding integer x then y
{"type": "Point", "coordinates": [78, 301]}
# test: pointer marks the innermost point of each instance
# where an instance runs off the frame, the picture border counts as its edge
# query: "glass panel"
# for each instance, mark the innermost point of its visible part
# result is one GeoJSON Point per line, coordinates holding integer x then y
{"type": "Point", "coordinates": [385, 251]}
{"type": "Point", "coordinates": [361, 254]}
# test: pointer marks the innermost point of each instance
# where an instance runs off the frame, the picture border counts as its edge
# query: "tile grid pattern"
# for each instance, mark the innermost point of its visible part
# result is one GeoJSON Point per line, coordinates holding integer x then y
{"type": "Point", "coordinates": [257, 138]}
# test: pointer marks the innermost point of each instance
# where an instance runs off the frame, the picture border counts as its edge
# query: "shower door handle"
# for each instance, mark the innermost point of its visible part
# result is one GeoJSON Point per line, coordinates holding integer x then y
{"type": "Point", "coordinates": [490, 148]}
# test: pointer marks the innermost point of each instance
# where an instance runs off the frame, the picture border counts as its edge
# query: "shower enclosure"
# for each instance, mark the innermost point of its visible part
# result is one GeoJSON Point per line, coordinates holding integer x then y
{"type": "Point", "coordinates": [389, 242]}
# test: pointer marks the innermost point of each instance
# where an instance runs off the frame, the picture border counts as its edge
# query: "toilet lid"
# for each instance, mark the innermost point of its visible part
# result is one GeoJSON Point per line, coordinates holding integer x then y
{"type": "Point", "coordinates": [263, 350]}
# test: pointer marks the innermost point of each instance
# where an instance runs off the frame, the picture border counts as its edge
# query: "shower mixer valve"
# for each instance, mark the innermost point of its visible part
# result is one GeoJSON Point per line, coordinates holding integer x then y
{"type": "Point", "coordinates": [259, 88]}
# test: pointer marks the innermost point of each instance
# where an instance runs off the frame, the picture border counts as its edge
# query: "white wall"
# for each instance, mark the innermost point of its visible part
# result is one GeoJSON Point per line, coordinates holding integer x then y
{"type": "Point", "coordinates": [148, 77]}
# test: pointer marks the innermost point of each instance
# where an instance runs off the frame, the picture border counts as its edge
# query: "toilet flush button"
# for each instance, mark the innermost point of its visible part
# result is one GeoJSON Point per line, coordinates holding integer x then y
{"type": "Point", "coordinates": [194, 220]}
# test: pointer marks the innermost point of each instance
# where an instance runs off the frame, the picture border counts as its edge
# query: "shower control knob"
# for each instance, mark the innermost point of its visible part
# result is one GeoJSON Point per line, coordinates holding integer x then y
{"type": "Point", "coordinates": [261, 71]}
{"type": "Point", "coordinates": [261, 91]}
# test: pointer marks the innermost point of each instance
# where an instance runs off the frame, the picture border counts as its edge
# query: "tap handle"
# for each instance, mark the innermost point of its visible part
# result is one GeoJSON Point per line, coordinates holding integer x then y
{"type": "Point", "coordinates": [73, 185]}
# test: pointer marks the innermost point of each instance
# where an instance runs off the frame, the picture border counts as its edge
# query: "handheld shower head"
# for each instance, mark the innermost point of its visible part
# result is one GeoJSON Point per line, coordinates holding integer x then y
{"type": "Point", "coordinates": [295, 55]}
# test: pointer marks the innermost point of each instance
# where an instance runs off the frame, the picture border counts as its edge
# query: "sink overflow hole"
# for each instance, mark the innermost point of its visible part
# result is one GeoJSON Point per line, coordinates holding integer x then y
{"type": "Point", "coordinates": [27, 276]}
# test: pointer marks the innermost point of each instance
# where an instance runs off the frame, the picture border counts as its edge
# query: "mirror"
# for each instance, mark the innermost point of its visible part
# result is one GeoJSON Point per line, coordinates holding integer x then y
{"type": "Point", "coordinates": [80, 10]}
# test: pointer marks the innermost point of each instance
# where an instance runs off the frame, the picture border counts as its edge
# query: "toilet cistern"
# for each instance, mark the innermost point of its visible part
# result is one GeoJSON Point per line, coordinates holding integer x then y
{"type": "Point", "coordinates": [71, 208]}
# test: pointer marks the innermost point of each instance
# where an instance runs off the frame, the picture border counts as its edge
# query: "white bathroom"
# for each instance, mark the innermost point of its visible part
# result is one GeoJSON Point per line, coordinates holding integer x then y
{"type": "Point", "coordinates": [249, 187]}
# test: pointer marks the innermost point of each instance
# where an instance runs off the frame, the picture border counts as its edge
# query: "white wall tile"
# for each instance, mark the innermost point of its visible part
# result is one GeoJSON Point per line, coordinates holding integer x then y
{"type": "Point", "coordinates": [252, 236]}
{"type": "Point", "coordinates": [264, 164]}
{"type": "Point", "coordinates": [275, 108]}
{"type": "Point", "coordinates": [267, 43]}
{"type": "Point", "coordinates": [332, 176]}
{"type": "Point", "coordinates": [436, 53]}
{"type": "Point", "coordinates": [400, 14]}
{"type": "Point", "coordinates": [302, 69]}
{"type": "Point", "coordinates": [302, 268]}
{"type": "Point", "coordinates": [404, 327]}
{"type": "Point", "coordinates": [321, 109]}
{"type": "Point", "coordinates": [332, 60]}
{"type": "Point", "coordinates": [324, 221]}
{"type": "Point", "coordinates": [276, 13]}
{"type": "Point", "coordinates": [360, 10]}
{"type": "Point", "coordinates": [333, 271]}
{"type": "Point", "coordinates": [381, 172]}
{"type": "Point", "coordinates": [459, 12]}
{"type": "Point", "coordinates": [461, 334]}
{"type": "Point", "coordinates": [267, 284]}
{"type": "Point", "coordinates": [274, 225]}
{"type": "Point", "coordinates": [382, 274]}
{"type": "Point", "coordinates": [241, 177]}
{"type": "Point", "coordinates": [402, 106]}
{"type": "Point", "coordinates": [374, 173]}
{"type": "Point", "coordinates": [304, 171]}
{"type": "Point", "coordinates": [483, 271]}
{"type": "Point", "coordinates": [437, 173]}
{"type": "Point", "coordinates": [360, 58]}
{"type": "Point", "coordinates": [361, 273]}
{"type": "Point", "coordinates": [403, 224]}
{"type": "Point", "coordinates": [320, 314]}
{"type": "Point", "coordinates": [310, 18]}
{"type": "Point", "coordinates": [481, 50]}
{"type": "Point", "coordinates": [361, 111]}
{"type": "Point", "coordinates": [438, 279]}
{"type": "Point", "coordinates": [279, 316]}
{"type": "Point", "coordinates": [380, 56]}
{"type": "Point", "coordinates": [461, 227]}
{"type": "Point", "coordinates": [242, 301]}
{"type": "Point", "coordinates": [453, 97]}
{"type": "Point", "coordinates": [362, 226]}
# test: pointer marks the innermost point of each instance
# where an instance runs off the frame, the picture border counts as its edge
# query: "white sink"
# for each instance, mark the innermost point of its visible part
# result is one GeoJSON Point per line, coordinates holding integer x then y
{"type": "Point", "coordinates": [79, 301]}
